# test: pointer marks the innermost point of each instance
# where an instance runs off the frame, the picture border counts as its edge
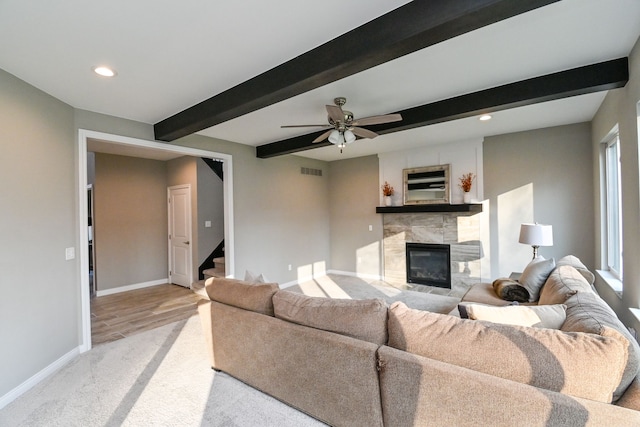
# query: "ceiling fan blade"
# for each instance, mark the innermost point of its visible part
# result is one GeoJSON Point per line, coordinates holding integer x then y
{"type": "Point", "coordinates": [322, 137]}
{"type": "Point", "coordinates": [375, 120]}
{"type": "Point", "coordinates": [364, 133]}
{"type": "Point", "coordinates": [304, 126]}
{"type": "Point", "coordinates": [335, 113]}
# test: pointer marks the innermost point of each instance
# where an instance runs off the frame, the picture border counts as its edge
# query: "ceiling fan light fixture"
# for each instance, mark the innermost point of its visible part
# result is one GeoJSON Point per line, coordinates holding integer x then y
{"type": "Point", "coordinates": [349, 137]}
{"type": "Point", "coordinates": [335, 137]}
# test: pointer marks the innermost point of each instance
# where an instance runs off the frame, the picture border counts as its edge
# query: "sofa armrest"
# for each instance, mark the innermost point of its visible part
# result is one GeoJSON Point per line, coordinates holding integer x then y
{"type": "Point", "coordinates": [416, 390]}
{"type": "Point", "coordinates": [483, 293]}
{"type": "Point", "coordinates": [631, 397]}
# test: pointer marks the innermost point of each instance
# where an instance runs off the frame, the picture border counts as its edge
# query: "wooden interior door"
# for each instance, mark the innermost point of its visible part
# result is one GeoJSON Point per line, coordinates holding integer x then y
{"type": "Point", "coordinates": [180, 252]}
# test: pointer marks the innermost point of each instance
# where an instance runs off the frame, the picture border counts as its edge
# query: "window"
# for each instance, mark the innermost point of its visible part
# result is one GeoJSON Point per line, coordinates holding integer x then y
{"type": "Point", "coordinates": [613, 232]}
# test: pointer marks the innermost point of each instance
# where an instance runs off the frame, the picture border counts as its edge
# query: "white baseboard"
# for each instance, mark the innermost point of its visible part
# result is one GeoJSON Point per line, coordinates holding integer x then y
{"type": "Point", "coordinates": [34, 380]}
{"type": "Point", "coordinates": [132, 287]}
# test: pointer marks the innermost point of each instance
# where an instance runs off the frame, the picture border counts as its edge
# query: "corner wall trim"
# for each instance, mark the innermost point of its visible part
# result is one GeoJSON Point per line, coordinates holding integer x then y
{"type": "Point", "coordinates": [34, 380]}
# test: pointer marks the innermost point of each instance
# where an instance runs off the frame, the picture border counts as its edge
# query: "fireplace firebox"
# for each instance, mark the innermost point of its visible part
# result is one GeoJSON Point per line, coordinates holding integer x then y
{"type": "Point", "coordinates": [429, 264]}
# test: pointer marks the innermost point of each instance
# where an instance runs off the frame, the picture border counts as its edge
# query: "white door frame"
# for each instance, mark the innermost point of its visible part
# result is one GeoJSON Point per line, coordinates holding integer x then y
{"type": "Point", "coordinates": [83, 137]}
{"type": "Point", "coordinates": [189, 226]}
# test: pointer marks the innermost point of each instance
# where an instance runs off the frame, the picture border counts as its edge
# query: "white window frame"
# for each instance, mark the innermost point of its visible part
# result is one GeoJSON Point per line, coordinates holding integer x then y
{"type": "Point", "coordinates": [612, 243]}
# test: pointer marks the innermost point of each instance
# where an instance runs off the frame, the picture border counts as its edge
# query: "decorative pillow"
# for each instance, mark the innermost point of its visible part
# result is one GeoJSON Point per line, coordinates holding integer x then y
{"type": "Point", "coordinates": [578, 364]}
{"type": "Point", "coordinates": [363, 319]}
{"type": "Point", "coordinates": [575, 262]}
{"type": "Point", "coordinates": [587, 312]}
{"type": "Point", "coordinates": [534, 276]}
{"type": "Point", "coordinates": [254, 278]}
{"type": "Point", "coordinates": [249, 296]}
{"type": "Point", "coordinates": [562, 283]}
{"type": "Point", "coordinates": [510, 290]}
{"type": "Point", "coordinates": [540, 316]}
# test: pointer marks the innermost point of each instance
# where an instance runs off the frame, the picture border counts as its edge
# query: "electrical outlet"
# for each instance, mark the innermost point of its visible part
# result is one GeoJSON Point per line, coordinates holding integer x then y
{"type": "Point", "coordinates": [370, 227]}
{"type": "Point", "coordinates": [289, 267]}
{"type": "Point", "coordinates": [207, 224]}
{"type": "Point", "coordinates": [69, 253]}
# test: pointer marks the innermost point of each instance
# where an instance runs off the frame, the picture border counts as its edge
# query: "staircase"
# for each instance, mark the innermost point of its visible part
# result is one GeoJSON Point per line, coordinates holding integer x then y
{"type": "Point", "coordinates": [217, 271]}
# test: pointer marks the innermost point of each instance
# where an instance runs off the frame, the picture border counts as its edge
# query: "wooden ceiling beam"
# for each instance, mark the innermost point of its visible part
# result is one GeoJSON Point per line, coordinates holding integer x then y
{"type": "Point", "coordinates": [409, 28]}
{"type": "Point", "coordinates": [577, 81]}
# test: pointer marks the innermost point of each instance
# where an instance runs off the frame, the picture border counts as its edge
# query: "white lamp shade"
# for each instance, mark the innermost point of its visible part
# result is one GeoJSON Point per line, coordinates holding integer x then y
{"type": "Point", "coordinates": [349, 137]}
{"type": "Point", "coordinates": [536, 234]}
{"type": "Point", "coordinates": [336, 138]}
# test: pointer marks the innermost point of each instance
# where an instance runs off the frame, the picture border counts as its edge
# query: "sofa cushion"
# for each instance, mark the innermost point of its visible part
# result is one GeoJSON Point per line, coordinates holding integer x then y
{"type": "Point", "coordinates": [238, 293]}
{"type": "Point", "coordinates": [562, 283]}
{"type": "Point", "coordinates": [539, 316]}
{"type": "Point", "coordinates": [575, 262]}
{"type": "Point", "coordinates": [587, 312]}
{"type": "Point", "coordinates": [361, 319]}
{"type": "Point", "coordinates": [534, 275]}
{"type": "Point", "coordinates": [579, 364]}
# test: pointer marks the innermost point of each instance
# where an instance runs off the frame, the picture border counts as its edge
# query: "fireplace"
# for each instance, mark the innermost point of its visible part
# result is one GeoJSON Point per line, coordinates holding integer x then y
{"type": "Point", "coordinates": [429, 264]}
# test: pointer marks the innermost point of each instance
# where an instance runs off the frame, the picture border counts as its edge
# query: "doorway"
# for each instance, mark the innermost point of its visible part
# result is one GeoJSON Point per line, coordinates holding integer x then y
{"type": "Point", "coordinates": [134, 147]}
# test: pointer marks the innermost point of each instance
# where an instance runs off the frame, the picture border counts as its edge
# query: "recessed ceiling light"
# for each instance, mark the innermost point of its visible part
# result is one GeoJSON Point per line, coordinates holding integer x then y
{"type": "Point", "coordinates": [484, 117]}
{"type": "Point", "coordinates": [104, 71]}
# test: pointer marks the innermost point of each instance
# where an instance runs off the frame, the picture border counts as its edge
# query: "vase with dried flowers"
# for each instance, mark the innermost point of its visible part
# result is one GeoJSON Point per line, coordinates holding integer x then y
{"type": "Point", "coordinates": [465, 184]}
{"type": "Point", "coordinates": [387, 192]}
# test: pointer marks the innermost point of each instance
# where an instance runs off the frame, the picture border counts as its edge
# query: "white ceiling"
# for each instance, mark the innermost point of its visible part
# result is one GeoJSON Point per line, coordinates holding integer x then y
{"type": "Point", "coordinates": [170, 55]}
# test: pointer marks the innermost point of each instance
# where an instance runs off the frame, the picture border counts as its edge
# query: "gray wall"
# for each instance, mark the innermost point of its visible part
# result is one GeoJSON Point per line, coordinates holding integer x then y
{"type": "Point", "coordinates": [130, 232]}
{"type": "Point", "coordinates": [621, 107]}
{"type": "Point", "coordinates": [281, 217]}
{"type": "Point", "coordinates": [39, 290]}
{"type": "Point", "coordinates": [353, 199]}
{"type": "Point", "coordinates": [543, 175]}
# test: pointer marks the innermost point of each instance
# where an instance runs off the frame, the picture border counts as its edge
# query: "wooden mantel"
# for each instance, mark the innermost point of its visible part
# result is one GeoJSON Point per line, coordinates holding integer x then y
{"type": "Point", "coordinates": [444, 207]}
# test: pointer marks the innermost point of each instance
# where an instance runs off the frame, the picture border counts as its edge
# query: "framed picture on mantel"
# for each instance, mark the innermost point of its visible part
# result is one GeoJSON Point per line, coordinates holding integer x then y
{"type": "Point", "coordinates": [425, 185]}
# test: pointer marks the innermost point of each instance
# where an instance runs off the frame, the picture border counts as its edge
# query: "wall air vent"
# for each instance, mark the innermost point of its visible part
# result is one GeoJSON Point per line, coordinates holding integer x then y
{"type": "Point", "coordinates": [311, 171]}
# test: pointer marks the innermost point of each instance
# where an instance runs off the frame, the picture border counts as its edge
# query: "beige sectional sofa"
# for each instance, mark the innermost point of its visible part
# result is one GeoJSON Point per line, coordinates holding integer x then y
{"type": "Point", "coordinates": [363, 363]}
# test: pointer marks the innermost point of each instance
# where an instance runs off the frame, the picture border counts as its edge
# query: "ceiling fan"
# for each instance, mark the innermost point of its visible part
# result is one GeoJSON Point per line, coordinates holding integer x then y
{"type": "Point", "coordinates": [343, 128]}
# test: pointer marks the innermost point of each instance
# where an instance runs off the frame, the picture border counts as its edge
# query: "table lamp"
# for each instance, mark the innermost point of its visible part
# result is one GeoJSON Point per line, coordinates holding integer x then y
{"type": "Point", "coordinates": [536, 235]}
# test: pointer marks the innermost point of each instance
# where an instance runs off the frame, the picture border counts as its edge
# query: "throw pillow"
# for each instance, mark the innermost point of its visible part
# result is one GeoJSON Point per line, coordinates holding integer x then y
{"type": "Point", "coordinates": [534, 276]}
{"type": "Point", "coordinates": [575, 262]}
{"type": "Point", "coordinates": [254, 278]}
{"type": "Point", "coordinates": [510, 290]}
{"type": "Point", "coordinates": [562, 283]}
{"type": "Point", "coordinates": [542, 316]}
{"type": "Point", "coordinates": [362, 319]}
{"type": "Point", "coordinates": [579, 364]}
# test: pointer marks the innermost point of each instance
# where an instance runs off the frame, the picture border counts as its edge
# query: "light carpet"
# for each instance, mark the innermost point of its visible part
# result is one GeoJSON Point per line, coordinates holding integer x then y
{"type": "Point", "coordinates": [160, 377]}
{"type": "Point", "coordinates": [350, 287]}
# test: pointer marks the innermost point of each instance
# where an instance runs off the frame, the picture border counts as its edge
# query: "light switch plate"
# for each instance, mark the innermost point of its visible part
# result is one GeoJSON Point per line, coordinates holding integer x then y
{"type": "Point", "coordinates": [69, 253]}
{"type": "Point", "coordinates": [207, 224]}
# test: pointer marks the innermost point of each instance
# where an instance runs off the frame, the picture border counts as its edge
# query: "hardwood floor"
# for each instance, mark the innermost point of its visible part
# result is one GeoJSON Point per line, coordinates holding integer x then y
{"type": "Point", "coordinates": [120, 315]}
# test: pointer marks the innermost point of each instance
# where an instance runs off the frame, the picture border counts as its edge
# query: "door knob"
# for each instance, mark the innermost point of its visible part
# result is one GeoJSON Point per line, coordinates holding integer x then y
{"type": "Point", "coordinates": [186, 243]}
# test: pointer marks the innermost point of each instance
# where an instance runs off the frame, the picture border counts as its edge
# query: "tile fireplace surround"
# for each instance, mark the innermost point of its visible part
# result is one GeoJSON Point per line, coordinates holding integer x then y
{"type": "Point", "coordinates": [460, 230]}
